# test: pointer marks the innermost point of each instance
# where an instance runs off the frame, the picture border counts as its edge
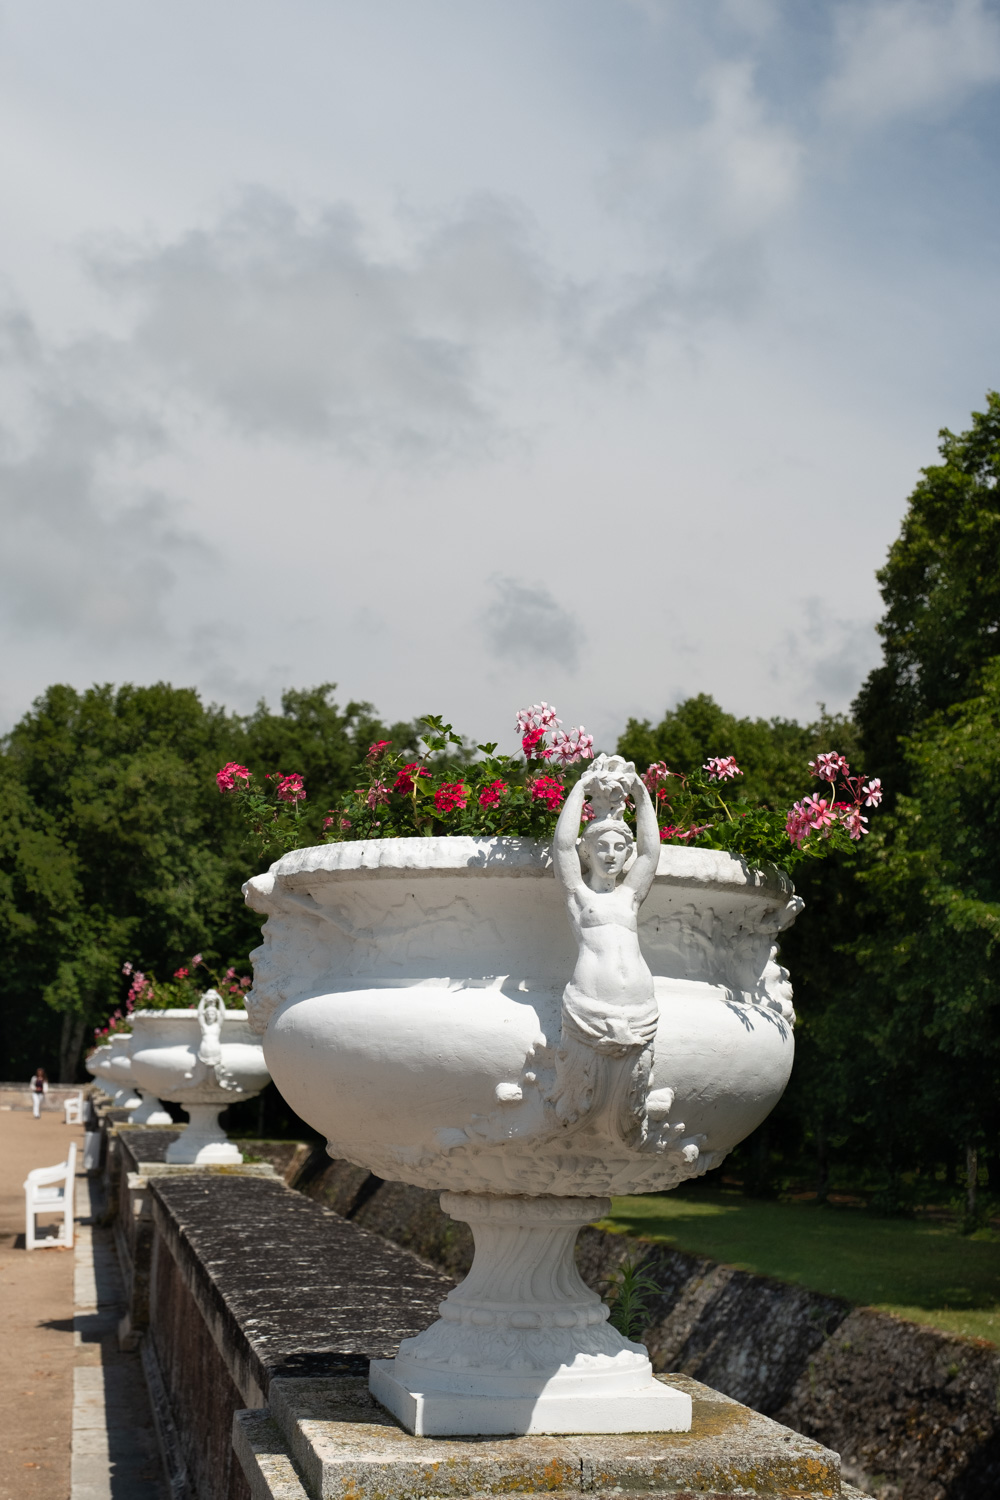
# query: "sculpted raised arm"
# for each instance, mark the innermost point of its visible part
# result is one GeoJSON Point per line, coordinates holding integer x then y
{"type": "Point", "coordinates": [647, 841]}
{"type": "Point", "coordinates": [564, 853]}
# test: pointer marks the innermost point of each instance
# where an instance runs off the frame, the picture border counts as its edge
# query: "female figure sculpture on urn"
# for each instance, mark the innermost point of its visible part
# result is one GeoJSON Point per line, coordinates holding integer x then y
{"type": "Point", "coordinates": [209, 1067]}
{"type": "Point", "coordinates": [210, 1021]}
{"type": "Point", "coordinates": [609, 1009]}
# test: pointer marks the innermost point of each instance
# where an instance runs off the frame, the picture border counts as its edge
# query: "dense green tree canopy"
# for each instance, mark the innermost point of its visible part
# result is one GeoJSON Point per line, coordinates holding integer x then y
{"type": "Point", "coordinates": [941, 588]}
{"type": "Point", "coordinates": [116, 844]}
{"type": "Point", "coordinates": [773, 754]}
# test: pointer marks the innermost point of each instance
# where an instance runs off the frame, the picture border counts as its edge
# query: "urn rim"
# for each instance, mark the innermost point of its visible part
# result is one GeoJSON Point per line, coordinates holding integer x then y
{"type": "Point", "coordinates": [462, 855]}
{"type": "Point", "coordinates": [186, 1013]}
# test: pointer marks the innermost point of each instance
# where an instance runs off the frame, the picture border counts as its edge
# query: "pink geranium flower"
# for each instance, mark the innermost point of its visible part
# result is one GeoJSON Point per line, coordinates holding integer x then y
{"type": "Point", "coordinates": [376, 751]}
{"type": "Point", "coordinates": [377, 795]}
{"type": "Point", "coordinates": [231, 772]}
{"type": "Point", "coordinates": [546, 789]}
{"type": "Point", "coordinates": [829, 766]}
{"type": "Point", "coordinates": [491, 794]}
{"type": "Point", "coordinates": [654, 774]}
{"type": "Point", "coordinates": [872, 792]}
{"type": "Point", "coordinates": [854, 821]}
{"type": "Point", "coordinates": [290, 788]}
{"type": "Point", "coordinates": [534, 746]}
{"type": "Point", "coordinates": [406, 778]}
{"type": "Point", "coordinates": [450, 796]}
{"type": "Point", "coordinates": [811, 815]}
{"type": "Point", "coordinates": [568, 748]}
{"type": "Point", "coordinates": [722, 768]}
{"type": "Point", "coordinates": [539, 716]}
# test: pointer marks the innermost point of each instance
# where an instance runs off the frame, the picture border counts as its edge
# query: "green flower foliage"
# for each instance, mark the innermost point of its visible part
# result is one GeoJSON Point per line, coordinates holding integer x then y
{"type": "Point", "coordinates": [501, 795]}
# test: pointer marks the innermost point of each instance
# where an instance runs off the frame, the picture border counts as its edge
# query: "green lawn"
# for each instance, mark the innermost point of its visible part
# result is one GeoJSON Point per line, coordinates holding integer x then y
{"type": "Point", "coordinates": [916, 1269]}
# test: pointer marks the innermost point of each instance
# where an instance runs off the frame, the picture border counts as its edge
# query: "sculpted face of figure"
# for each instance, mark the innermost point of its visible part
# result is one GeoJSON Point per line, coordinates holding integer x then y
{"type": "Point", "coordinates": [211, 1013]}
{"type": "Point", "coordinates": [609, 849]}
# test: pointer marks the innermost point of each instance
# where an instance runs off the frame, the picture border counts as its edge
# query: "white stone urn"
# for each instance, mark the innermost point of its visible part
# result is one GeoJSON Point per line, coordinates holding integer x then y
{"type": "Point", "coordinates": [204, 1060]}
{"type": "Point", "coordinates": [94, 1064]}
{"type": "Point", "coordinates": [144, 1108]}
{"type": "Point", "coordinates": [113, 1068]}
{"type": "Point", "coordinates": [412, 997]}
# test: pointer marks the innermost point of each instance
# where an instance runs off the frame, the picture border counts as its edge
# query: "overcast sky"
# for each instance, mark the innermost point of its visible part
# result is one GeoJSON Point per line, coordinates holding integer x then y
{"type": "Point", "coordinates": [471, 352]}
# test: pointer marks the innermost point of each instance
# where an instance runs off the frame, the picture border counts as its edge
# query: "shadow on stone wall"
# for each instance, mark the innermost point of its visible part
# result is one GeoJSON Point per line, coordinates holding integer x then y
{"type": "Point", "coordinates": [913, 1412]}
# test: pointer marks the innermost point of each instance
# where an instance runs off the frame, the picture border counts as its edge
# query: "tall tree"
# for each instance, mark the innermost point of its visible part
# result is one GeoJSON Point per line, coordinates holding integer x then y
{"type": "Point", "coordinates": [921, 962]}
{"type": "Point", "coordinates": [941, 589]}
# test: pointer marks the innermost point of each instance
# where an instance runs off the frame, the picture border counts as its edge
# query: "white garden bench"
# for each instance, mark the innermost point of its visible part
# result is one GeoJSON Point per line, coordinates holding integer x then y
{"type": "Point", "coordinates": [74, 1109]}
{"type": "Point", "coordinates": [48, 1190]}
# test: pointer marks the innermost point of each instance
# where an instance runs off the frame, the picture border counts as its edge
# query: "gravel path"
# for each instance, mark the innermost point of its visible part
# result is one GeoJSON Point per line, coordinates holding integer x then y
{"type": "Point", "coordinates": [75, 1422]}
{"type": "Point", "coordinates": [36, 1321]}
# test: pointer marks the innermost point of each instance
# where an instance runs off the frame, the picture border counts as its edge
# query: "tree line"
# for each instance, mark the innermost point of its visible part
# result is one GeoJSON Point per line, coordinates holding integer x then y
{"type": "Point", "coordinates": [115, 844]}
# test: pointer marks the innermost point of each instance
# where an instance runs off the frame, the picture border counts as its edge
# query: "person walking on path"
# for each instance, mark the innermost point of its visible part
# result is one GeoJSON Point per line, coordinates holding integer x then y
{"type": "Point", "coordinates": [39, 1088]}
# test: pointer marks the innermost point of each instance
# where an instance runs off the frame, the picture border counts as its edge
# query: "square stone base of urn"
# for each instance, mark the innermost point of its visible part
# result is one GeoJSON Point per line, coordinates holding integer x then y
{"type": "Point", "coordinates": [430, 1413]}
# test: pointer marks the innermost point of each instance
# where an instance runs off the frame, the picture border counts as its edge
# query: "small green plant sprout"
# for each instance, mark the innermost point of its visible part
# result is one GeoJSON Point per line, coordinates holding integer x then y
{"type": "Point", "coordinates": [630, 1292]}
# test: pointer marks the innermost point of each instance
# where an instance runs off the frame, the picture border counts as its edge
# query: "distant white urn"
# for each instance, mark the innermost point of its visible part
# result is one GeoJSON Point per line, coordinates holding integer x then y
{"type": "Point", "coordinates": [144, 1108]}
{"type": "Point", "coordinates": [427, 1006]}
{"type": "Point", "coordinates": [94, 1064]}
{"type": "Point", "coordinates": [113, 1069]}
{"type": "Point", "coordinates": [204, 1060]}
{"type": "Point", "coordinates": [150, 1111]}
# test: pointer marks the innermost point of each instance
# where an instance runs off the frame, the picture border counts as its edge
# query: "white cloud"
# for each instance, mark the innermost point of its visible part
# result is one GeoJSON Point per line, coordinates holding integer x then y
{"type": "Point", "coordinates": [525, 624]}
{"type": "Point", "coordinates": [708, 194]}
{"type": "Point", "coordinates": [725, 177]}
{"type": "Point", "coordinates": [825, 657]}
{"type": "Point", "coordinates": [82, 556]}
{"type": "Point", "coordinates": [900, 57]}
{"type": "Point", "coordinates": [296, 327]}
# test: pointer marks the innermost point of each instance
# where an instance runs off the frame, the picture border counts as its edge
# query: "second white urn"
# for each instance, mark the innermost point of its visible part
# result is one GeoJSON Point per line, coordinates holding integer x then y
{"type": "Point", "coordinates": [204, 1060]}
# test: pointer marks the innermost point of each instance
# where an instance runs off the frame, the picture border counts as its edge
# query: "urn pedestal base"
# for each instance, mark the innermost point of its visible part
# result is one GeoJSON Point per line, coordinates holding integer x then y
{"type": "Point", "coordinates": [204, 1142]}
{"type": "Point", "coordinates": [125, 1098]}
{"type": "Point", "coordinates": [150, 1112]}
{"type": "Point", "coordinates": [523, 1345]}
{"type": "Point", "coordinates": [571, 1402]}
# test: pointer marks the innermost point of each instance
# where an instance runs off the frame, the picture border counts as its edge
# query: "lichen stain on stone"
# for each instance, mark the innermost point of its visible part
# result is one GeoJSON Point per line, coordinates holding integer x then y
{"type": "Point", "coordinates": [710, 1418]}
{"type": "Point", "coordinates": [559, 1475]}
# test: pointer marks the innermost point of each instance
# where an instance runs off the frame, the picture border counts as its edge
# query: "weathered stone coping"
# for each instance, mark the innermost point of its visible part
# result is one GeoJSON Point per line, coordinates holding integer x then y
{"type": "Point", "coordinates": [145, 1143]}
{"type": "Point", "coordinates": [344, 1445]}
{"type": "Point", "coordinates": [287, 1287]}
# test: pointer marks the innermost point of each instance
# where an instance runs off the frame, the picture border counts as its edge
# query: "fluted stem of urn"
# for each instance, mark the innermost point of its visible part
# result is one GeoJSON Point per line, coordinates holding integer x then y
{"type": "Point", "coordinates": [523, 1311]}
{"type": "Point", "coordinates": [524, 1274]}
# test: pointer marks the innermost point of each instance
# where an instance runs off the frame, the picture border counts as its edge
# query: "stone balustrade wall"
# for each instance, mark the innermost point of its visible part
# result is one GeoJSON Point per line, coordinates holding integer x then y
{"type": "Point", "coordinates": [236, 1278]}
{"type": "Point", "coordinates": [915, 1413]}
